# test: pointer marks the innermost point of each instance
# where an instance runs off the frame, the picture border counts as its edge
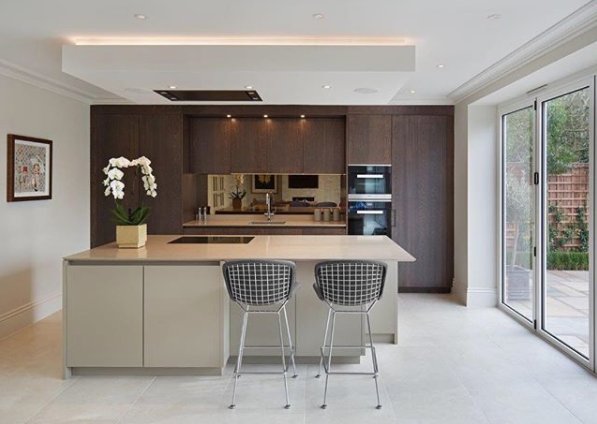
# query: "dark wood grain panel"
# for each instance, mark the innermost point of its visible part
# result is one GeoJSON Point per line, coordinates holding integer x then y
{"type": "Point", "coordinates": [111, 136]}
{"type": "Point", "coordinates": [161, 140]}
{"type": "Point", "coordinates": [209, 144]}
{"type": "Point", "coordinates": [423, 200]}
{"type": "Point", "coordinates": [249, 146]}
{"type": "Point", "coordinates": [285, 146]}
{"type": "Point", "coordinates": [323, 144]}
{"type": "Point", "coordinates": [369, 139]}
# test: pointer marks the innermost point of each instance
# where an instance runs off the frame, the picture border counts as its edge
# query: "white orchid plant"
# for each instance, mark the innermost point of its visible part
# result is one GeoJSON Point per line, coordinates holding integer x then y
{"type": "Point", "coordinates": [115, 188]}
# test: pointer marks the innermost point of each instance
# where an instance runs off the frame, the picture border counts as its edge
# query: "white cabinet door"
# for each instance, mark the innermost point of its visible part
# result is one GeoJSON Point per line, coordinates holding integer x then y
{"type": "Point", "coordinates": [104, 316]}
{"type": "Point", "coordinates": [384, 316]}
{"type": "Point", "coordinates": [185, 308]}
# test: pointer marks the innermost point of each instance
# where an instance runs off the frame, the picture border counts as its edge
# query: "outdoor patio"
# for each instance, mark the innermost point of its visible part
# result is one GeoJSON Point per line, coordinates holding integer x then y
{"type": "Point", "coordinates": [567, 308]}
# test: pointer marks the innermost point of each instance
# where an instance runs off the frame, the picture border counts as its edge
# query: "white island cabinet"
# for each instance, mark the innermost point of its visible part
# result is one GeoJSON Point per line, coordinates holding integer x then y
{"type": "Point", "coordinates": [164, 308]}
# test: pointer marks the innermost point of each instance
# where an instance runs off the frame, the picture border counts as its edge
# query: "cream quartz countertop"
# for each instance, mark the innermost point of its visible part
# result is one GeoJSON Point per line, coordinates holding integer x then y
{"type": "Point", "coordinates": [294, 247]}
{"type": "Point", "coordinates": [230, 220]}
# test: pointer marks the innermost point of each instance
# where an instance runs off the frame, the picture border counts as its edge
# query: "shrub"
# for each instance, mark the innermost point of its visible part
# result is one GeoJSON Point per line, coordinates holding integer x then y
{"type": "Point", "coordinates": [568, 261]}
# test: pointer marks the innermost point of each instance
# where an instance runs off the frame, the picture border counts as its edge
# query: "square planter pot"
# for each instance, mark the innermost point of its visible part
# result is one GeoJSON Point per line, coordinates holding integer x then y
{"type": "Point", "coordinates": [131, 236]}
{"type": "Point", "coordinates": [518, 287]}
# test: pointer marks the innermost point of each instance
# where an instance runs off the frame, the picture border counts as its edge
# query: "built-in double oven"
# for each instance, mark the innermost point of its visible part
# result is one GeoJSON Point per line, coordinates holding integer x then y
{"type": "Point", "coordinates": [370, 200]}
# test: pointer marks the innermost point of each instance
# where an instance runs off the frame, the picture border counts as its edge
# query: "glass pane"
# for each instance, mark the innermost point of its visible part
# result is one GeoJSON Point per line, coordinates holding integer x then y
{"type": "Point", "coordinates": [519, 211]}
{"type": "Point", "coordinates": [566, 291]}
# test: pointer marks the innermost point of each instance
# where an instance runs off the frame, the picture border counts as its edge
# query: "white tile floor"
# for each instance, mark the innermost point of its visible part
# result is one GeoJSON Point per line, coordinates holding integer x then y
{"type": "Point", "coordinates": [453, 365]}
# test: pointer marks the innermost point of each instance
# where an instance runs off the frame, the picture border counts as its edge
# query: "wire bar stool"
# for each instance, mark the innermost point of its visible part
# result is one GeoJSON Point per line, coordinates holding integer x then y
{"type": "Point", "coordinates": [348, 287]}
{"type": "Point", "coordinates": [262, 287]}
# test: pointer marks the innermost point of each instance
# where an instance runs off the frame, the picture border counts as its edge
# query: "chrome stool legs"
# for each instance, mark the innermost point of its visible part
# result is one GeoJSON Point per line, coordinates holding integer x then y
{"type": "Point", "coordinates": [241, 350]}
{"type": "Point", "coordinates": [325, 362]}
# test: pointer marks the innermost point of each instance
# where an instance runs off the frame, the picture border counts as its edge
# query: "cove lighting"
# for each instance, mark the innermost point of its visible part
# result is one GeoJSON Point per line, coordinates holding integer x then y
{"type": "Point", "coordinates": [239, 41]}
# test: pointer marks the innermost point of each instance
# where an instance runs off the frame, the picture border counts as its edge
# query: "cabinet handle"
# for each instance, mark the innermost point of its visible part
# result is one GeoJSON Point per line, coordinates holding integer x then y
{"type": "Point", "coordinates": [393, 217]}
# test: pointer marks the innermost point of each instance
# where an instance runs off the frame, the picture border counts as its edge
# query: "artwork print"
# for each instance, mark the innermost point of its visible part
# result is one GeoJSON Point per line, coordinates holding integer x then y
{"type": "Point", "coordinates": [29, 168]}
{"type": "Point", "coordinates": [264, 183]}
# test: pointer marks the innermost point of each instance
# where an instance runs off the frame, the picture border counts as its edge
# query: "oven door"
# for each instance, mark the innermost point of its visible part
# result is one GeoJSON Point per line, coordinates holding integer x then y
{"type": "Point", "coordinates": [370, 218]}
{"type": "Point", "coordinates": [369, 180]}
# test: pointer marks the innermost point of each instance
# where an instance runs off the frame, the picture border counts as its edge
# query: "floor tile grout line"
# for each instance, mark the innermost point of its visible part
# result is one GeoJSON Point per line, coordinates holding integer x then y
{"type": "Point", "coordinates": [72, 379]}
{"type": "Point", "coordinates": [124, 414]}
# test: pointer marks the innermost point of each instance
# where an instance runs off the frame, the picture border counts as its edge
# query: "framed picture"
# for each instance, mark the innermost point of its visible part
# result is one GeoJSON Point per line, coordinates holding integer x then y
{"type": "Point", "coordinates": [29, 166]}
{"type": "Point", "coordinates": [264, 183]}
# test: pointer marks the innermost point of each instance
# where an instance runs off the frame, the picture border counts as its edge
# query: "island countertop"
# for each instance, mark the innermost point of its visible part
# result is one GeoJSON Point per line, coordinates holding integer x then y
{"type": "Point", "coordinates": [295, 247]}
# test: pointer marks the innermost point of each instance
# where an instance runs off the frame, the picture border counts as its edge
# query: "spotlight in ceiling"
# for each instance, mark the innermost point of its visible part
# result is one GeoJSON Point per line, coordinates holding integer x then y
{"type": "Point", "coordinates": [412, 91]}
{"type": "Point", "coordinates": [266, 116]}
{"type": "Point", "coordinates": [318, 16]}
{"type": "Point", "coordinates": [249, 87]}
{"type": "Point", "coordinates": [441, 66]}
{"type": "Point", "coordinates": [228, 116]}
{"type": "Point", "coordinates": [172, 87]}
{"type": "Point", "coordinates": [140, 16]}
{"type": "Point", "coordinates": [302, 116]}
{"type": "Point", "coordinates": [326, 86]}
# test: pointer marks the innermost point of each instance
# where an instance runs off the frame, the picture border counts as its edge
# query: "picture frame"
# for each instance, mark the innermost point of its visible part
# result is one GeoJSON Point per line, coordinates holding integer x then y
{"type": "Point", "coordinates": [29, 168]}
{"type": "Point", "coordinates": [264, 183]}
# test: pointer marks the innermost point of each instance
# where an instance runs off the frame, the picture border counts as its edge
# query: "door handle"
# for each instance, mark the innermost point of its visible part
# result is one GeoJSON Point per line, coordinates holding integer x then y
{"type": "Point", "coordinates": [393, 217]}
{"type": "Point", "coordinates": [377, 176]}
{"type": "Point", "coordinates": [370, 212]}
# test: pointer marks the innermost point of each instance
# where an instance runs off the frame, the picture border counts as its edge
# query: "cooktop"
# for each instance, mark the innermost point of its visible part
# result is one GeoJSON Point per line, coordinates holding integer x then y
{"type": "Point", "coordinates": [211, 240]}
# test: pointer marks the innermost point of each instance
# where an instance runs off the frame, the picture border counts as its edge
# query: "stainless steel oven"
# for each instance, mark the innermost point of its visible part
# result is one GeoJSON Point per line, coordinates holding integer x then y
{"type": "Point", "coordinates": [370, 218]}
{"type": "Point", "coordinates": [372, 182]}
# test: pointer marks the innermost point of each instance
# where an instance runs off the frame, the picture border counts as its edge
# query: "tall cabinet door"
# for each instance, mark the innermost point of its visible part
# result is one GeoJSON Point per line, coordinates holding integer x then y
{"type": "Point", "coordinates": [422, 193]}
{"type": "Point", "coordinates": [210, 140]}
{"type": "Point", "coordinates": [369, 139]}
{"type": "Point", "coordinates": [161, 141]}
{"type": "Point", "coordinates": [112, 135]}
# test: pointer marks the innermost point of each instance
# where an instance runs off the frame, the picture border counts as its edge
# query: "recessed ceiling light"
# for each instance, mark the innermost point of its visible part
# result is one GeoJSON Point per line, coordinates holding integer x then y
{"type": "Point", "coordinates": [228, 116]}
{"type": "Point", "coordinates": [318, 16]}
{"type": "Point", "coordinates": [303, 116]}
{"type": "Point", "coordinates": [249, 87]}
{"type": "Point", "coordinates": [140, 16]}
{"type": "Point", "coordinates": [365, 90]}
{"type": "Point", "coordinates": [266, 116]}
{"type": "Point", "coordinates": [441, 66]}
{"type": "Point", "coordinates": [412, 91]}
{"type": "Point", "coordinates": [172, 87]}
{"type": "Point", "coordinates": [494, 16]}
{"type": "Point", "coordinates": [326, 86]}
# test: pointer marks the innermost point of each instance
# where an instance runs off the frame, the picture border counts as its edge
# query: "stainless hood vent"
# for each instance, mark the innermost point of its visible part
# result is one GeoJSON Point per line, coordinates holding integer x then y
{"type": "Point", "coordinates": [210, 95]}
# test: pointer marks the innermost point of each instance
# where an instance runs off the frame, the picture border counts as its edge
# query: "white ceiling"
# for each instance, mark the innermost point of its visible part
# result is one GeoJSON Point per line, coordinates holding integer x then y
{"type": "Point", "coordinates": [455, 33]}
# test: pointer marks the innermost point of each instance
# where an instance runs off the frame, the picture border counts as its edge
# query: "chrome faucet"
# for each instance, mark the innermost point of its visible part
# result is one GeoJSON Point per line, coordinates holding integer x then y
{"type": "Point", "coordinates": [268, 203]}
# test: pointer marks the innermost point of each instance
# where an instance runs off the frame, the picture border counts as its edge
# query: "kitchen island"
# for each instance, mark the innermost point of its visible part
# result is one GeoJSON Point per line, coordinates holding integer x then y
{"type": "Point", "coordinates": [164, 308]}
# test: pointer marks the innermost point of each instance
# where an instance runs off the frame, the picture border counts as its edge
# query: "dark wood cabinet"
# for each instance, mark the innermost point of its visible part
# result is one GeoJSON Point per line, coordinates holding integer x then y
{"type": "Point", "coordinates": [249, 146]}
{"type": "Point", "coordinates": [160, 139]}
{"type": "Point", "coordinates": [369, 139]}
{"type": "Point", "coordinates": [111, 136]}
{"type": "Point", "coordinates": [422, 185]}
{"type": "Point", "coordinates": [285, 148]}
{"type": "Point", "coordinates": [323, 145]}
{"type": "Point", "coordinates": [209, 144]}
{"type": "Point", "coordinates": [156, 136]}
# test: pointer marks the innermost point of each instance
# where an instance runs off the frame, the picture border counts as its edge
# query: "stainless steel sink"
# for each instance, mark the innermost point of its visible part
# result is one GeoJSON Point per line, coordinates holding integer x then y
{"type": "Point", "coordinates": [268, 222]}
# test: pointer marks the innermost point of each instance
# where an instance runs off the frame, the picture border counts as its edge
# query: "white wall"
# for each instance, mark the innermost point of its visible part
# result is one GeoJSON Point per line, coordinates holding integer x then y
{"type": "Point", "coordinates": [35, 235]}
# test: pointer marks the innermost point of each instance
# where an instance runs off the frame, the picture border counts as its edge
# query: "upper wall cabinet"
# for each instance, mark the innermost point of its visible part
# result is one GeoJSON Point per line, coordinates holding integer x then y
{"type": "Point", "coordinates": [369, 139]}
{"type": "Point", "coordinates": [209, 144]}
{"type": "Point", "coordinates": [275, 145]}
{"type": "Point", "coordinates": [323, 145]}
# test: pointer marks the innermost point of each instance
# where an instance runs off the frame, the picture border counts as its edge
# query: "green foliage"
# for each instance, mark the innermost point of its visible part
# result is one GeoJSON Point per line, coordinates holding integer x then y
{"type": "Point", "coordinates": [238, 193]}
{"type": "Point", "coordinates": [131, 217]}
{"type": "Point", "coordinates": [582, 229]}
{"type": "Point", "coordinates": [568, 261]}
{"type": "Point", "coordinates": [567, 129]}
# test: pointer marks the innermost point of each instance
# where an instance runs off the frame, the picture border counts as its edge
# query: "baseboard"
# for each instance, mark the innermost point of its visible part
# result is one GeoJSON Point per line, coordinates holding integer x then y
{"type": "Point", "coordinates": [481, 297]}
{"type": "Point", "coordinates": [443, 290]}
{"type": "Point", "coordinates": [29, 313]}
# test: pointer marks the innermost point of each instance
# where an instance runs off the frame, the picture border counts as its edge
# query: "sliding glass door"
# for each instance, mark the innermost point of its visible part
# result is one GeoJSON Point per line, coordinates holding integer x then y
{"type": "Point", "coordinates": [566, 268]}
{"type": "Point", "coordinates": [518, 226]}
{"type": "Point", "coordinates": [547, 210]}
